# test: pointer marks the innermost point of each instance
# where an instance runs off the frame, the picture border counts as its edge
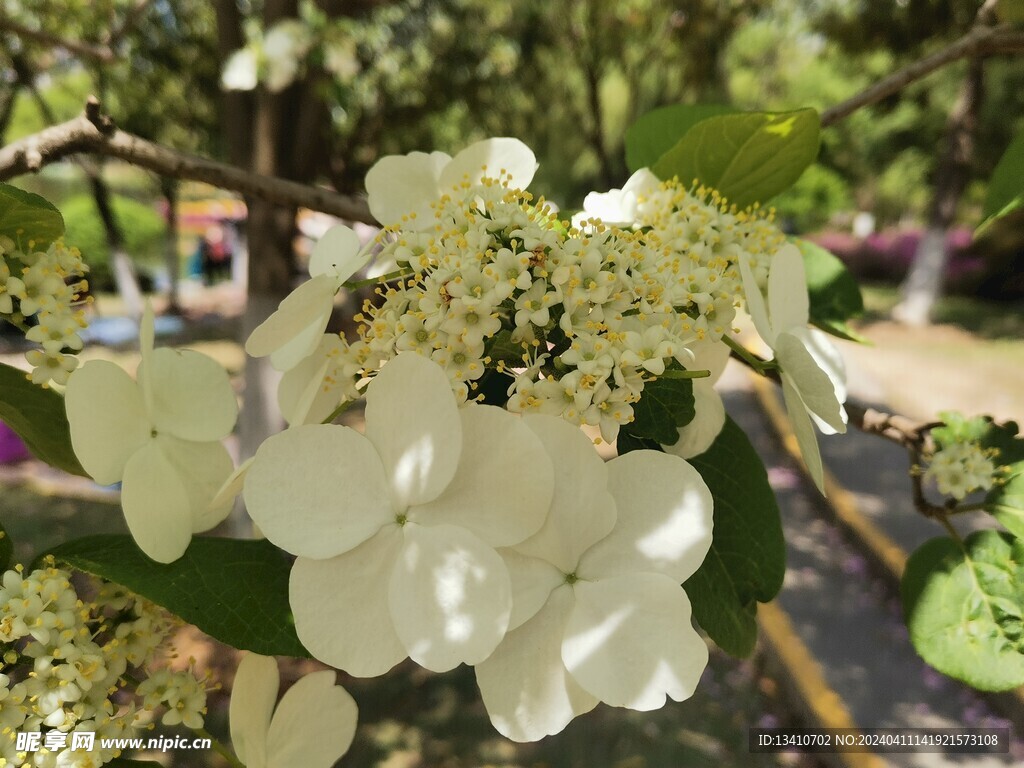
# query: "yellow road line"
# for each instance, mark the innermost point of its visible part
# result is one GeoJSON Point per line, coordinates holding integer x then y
{"type": "Point", "coordinates": [886, 551]}
{"type": "Point", "coordinates": [824, 706]}
{"type": "Point", "coordinates": [890, 555]}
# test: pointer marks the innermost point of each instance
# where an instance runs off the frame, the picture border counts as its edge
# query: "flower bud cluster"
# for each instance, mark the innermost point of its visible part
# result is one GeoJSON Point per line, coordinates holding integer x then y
{"type": "Point", "coordinates": [702, 239]}
{"type": "Point", "coordinates": [961, 468]}
{"type": "Point", "coordinates": [581, 317]}
{"type": "Point", "coordinates": [46, 287]}
{"type": "Point", "coordinates": [65, 667]}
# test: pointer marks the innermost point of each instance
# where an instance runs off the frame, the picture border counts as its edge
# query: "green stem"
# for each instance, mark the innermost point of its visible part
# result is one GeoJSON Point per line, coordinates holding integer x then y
{"type": "Point", "coordinates": [338, 411]}
{"type": "Point", "coordinates": [355, 284]}
{"type": "Point", "coordinates": [953, 533]}
{"type": "Point", "coordinates": [219, 748]}
{"type": "Point", "coordinates": [672, 374]}
{"type": "Point", "coordinates": [759, 365]}
{"type": "Point", "coordinates": [979, 507]}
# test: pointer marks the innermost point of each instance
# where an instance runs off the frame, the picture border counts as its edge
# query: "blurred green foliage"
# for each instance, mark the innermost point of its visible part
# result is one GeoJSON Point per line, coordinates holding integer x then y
{"type": "Point", "coordinates": [143, 231]}
{"type": "Point", "coordinates": [566, 76]}
{"type": "Point", "coordinates": [818, 195]}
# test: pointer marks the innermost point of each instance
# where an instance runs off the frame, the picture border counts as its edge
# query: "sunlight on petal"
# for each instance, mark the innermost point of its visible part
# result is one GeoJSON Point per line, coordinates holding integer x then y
{"type": "Point", "coordinates": [664, 519]}
{"type": "Point", "coordinates": [630, 642]}
{"type": "Point", "coordinates": [525, 686]}
{"type": "Point", "coordinates": [450, 597]}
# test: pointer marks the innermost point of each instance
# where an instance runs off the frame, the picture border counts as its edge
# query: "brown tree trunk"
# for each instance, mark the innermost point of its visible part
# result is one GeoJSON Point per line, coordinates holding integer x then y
{"type": "Point", "coordinates": [236, 106]}
{"type": "Point", "coordinates": [923, 284]}
{"type": "Point", "coordinates": [172, 261]}
{"type": "Point", "coordinates": [274, 134]}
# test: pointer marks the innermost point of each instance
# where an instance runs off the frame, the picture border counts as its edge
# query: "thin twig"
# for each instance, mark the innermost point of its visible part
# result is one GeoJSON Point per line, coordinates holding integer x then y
{"type": "Point", "coordinates": [982, 41]}
{"type": "Point", "coordinates": [96, 133]}
{"type": "Point", "coordinates": [131, 17]}
{"type": "Point", "coordinates": [101, 53]}
{"type": "Point", "coordinates": [916, 438]}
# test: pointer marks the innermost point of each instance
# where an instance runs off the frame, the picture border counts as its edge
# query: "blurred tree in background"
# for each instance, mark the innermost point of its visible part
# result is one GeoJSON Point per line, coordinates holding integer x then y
{"type": "Point", "coordinates": [566, 77]}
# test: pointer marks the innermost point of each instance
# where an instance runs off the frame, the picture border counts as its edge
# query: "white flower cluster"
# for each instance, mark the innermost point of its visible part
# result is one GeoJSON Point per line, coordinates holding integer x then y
{"type": "Point", "coordinates": [64, 665]}
{"type": "Point", "coordinates": [492, 280]}
{"type": "Point", "coordinates": [961, 468]}
{"type": "Point", "coordinates": [452, 532]}
{"type": "Point", "coordinates": [699, 241]}
{"type": "Point", "coordinates": [469, 535]}
{"type": "Point", "coordinates": [46, 286]}
{"type": "Point", "coordinates": [737, 259]}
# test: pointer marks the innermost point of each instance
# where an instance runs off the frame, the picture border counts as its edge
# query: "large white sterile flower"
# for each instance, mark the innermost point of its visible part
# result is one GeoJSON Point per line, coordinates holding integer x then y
{"type": "Point", "coordinates": [293, 332]}
{"type": "Point", "coordinates": [618, 207]}
{"type": "Point", "coordinates": [813, 374]}
{"type": "Point", "coordinates": [599, 614]}
{"type": "Point", "coordinates": [312, 726]}
{"type": "Point", "coordinates": [405, 186]}
{"type": "Point", "coordinates": [395, 531]}
{"type": "Point", "coordinates": [160, 436]}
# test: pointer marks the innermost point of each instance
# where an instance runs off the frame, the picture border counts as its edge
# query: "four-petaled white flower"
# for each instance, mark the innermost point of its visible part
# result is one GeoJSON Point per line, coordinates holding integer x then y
{"type": "Point", "coordinates": [313, 725]}
{"type": "Point", "coordinates": [812, 371]}
{"type": "Point", "coordinates": [160, 436]}
{"type": "Point", "coordinates": [293, 332]}
{"type": "Point", "coordinates": [599, 614]}
{"type": "Point", "coordinates": [404, 187]}
{"type": "Point", "coordinates": [395, 531]}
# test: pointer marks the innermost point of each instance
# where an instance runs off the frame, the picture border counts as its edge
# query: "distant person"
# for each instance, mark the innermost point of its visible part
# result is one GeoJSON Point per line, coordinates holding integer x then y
{"type": "Point", "coordinates": [197, 260]}
{"type": "Point", "coordinates": [216, 254]}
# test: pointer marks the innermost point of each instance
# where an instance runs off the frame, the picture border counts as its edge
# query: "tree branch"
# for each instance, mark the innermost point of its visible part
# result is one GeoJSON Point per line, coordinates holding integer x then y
{"type": "Point", "coordinates": [96, 133]}
{"type": "Point", "coordinates": [980, 42]}
{"type": "Point", "coordinates": [101, 53]}
{"type": "Point", "coordinates": [131, 17]}
{"type": "Point", "coordinates": [914, 436]}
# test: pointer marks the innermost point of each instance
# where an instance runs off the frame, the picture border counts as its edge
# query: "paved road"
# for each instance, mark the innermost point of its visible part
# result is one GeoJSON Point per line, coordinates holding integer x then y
{"type": "Point", "coordinates": [844, 611]}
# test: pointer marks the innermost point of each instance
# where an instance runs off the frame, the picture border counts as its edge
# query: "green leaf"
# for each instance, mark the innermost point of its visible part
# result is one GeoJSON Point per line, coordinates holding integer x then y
{"type": "Point", "coordinates": [28, 218]}
{"type": "Point", "coordinates": [834, 293]}
{"type": "Point", "coordinates": [664, 406]}
{"type": "Point", "coordinates": [957, 428]}
{"type": "Point", "coordinates": [494, 387]}
{"type": "Point", "coordinates": [1006, 500]}
{"type": "Point", "coordinates": [1006, 187]}
{"type": "Point", "coordinates": [747, 157]}
{"type": "Point", "coordinates": [747, 560]}
{"type": "Point", "coordinates": [627, 442]}
{"type": "Point", "coordinates": [38, 416]}
{"type": "Point", "coordinates": [656, 132]}
{"type": "Point", "coordinates": [962, 605]}
{"type": "Point", "coordinates": [234, 591]}
{"type": "Point", "coordinates": [6, 550]}
{"type": "Point", "coordinates": [501, 347]}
